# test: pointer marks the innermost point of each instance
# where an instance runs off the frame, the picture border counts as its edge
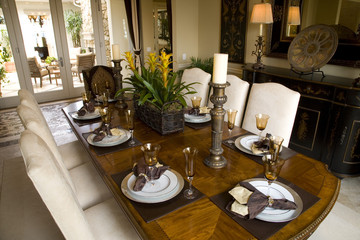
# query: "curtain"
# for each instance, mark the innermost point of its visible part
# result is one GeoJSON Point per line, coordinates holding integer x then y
{"type": "Point", "coordinates": [132, 12]}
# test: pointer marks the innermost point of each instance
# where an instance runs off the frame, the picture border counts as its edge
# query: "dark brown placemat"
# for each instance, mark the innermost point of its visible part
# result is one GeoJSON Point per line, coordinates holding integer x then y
{"type": "Point", "coordinates": [258, 228]}
{"type": "Point", "coordinates": [106, 150]}
{"type": "Point", "coordinates": [286, 153]}
{"type": "Point", "coordinates": [198, 125]}
{"type": "Point", "coordinates": [85, 122]}
{"type": "Point", "coordinates": [153, 211]}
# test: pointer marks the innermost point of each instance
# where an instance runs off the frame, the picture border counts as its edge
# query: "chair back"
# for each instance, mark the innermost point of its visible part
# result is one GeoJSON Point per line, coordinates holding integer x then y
{"type": "Point", "coordinates": [33, 122]}
{"type": "Point", "coordinates": [193, 75]}
{"type": "Point", "coordinates": [236, 94]}
{"type": "Point", "coordinates": [28, 99]}
{"type": "Point", "coordinates": [276, 100]}
{"type": "Point", "coordinates": [85, 61]}
{"type": "Point", "coordinates": [34, 67]}
{"type": "Point", "coordinates": [53, 188]}
{"type": "Point", "coordinates": [98, 76]}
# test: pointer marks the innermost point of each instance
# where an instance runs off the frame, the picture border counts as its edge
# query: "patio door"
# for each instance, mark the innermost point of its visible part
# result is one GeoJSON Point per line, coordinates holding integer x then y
{"type": "Point", "coordinates": [46, 39]}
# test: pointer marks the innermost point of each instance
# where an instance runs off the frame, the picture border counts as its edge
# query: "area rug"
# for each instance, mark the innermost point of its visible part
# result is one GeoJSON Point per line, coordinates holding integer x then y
{"type": "Point", "coordinates": [11, 126]}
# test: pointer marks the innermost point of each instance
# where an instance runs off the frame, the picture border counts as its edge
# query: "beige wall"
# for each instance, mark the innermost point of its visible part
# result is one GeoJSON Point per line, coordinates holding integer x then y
{"type": "Point", "coordinates": [185, 15]}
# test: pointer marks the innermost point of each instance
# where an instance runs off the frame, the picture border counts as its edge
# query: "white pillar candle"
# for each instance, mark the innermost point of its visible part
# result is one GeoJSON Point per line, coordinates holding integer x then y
{"type": "Point", "coordinates": [116, 51]}
{"type": "Point", "coordinates": [220, 68]}
{"type": "Point", "coordinates": [261, 29]}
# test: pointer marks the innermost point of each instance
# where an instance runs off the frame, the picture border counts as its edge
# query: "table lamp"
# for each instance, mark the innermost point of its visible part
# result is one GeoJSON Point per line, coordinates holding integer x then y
{"type": "Point", "coordinates": [262, 14]}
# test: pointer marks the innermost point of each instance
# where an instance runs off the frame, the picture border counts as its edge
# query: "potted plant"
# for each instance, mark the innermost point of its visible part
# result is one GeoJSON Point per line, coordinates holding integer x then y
{"type": "Point", "coordinates": [73, 24]}
{"type": "Point", "coordinates": [3, 77]}
{"type": "Point", "coordinates": [158, 98]}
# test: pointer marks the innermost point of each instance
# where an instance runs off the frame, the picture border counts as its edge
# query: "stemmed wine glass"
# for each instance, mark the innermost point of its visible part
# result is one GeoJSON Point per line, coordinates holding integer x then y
{"type": "Point", "coordinates": [96, 92]}
{"type": "Point", "coordinates": [231, 122]}
{"type": "Point", "coordinates": [190, 159]}
{"type": "Point", "coordinates": [105, 99]}
{"type": "Point", "coordinates": [273, 163]}
{"type": "Point", "coordinates": [129, 113]}
{"type": "Point", "coordinates": [105, 114]}
{"type": "Point", "coordinates": [261, 122]}
{"type": "Point", "coordinates": [86, 96]}
{"type": "Point", "coordinates": [196, 101]}
{"type": "Point", "coordinates": [151, 151]}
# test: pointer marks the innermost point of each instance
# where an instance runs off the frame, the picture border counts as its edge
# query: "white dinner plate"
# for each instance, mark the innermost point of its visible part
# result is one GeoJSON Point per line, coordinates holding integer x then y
{"type": "Point", "coordinates": [162, 198]}
{"type": "Point", "coordinates": [165, 184]}
{"type": "Point", "coordinates": [111, 140]}
{"type": "Point", "coordinates": [87, 116]}
{"type": "Point", "coordinates": [278, 190]}
{"type": "Point", "coordinates": [244, 149]}
{"type": "Point", "coordinates": [197, 119]}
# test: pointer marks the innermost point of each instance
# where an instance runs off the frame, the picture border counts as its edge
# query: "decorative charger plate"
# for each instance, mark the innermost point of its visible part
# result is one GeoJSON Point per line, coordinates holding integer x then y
{"type": "Point", "coordinates": [312, 48]}
{"type": "Point", "coordinates": [109, 141]}
{"type": "Point", "coordinates": [156, 199]}
{"type": "Point", "coordinates": [87, 116]}
{"type": "Point", "coordinates": [278, 190]}
{"type": "Point", "coordinates": [197, 119]}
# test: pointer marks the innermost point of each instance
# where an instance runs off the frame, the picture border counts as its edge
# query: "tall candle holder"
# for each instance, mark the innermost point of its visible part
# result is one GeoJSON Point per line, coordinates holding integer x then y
{"type": "Point", "coordinates": [216, 160]}
{"type": "Point", "coordinates": [118, 83]}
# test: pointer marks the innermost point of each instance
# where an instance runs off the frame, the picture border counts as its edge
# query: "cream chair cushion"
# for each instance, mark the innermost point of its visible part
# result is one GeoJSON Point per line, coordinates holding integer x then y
{"type": "Point", "coordinates": [105, 221]}
{"type": "Point", "coordinates": [193, 75]}
{"type": "Point", "coordinates": [73, 153]}
{"type": "Point", "coordinates": [84, 179]}
{"type": "Point", "coordinates": [236, 97]}
{"type": "Point", "coordinates": [53, 188]}
{"type": "Point", "coordinates": [276, 100]}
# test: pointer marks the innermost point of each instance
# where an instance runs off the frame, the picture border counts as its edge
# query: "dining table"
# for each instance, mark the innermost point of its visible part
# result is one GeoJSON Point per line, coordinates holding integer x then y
{"type": "Point", "coordinates": [206, 216]}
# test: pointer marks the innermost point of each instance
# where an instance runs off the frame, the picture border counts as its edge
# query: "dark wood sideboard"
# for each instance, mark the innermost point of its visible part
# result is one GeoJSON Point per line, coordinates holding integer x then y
{"type": "Point", "coordinates": [327, 123]}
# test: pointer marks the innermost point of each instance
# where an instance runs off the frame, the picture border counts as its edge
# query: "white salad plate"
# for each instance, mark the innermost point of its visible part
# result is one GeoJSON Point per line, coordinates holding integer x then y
{"type": "Point", "coordinates": [197, 119]}
{"type": "Point", "coordinates": [109, 141]}
{"type": "Point", "coordinates": [277, 190]}
{"type": "Point", "coordinates": [87, 116]}
{"type": "Point", "coordinates": [162, 194]}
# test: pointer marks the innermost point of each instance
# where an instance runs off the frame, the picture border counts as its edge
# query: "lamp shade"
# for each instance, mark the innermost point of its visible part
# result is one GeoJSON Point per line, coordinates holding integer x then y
{"type": "Point", "coordinates": [294, 15]}
{"type": "Point", "coordinates": [262, 13]}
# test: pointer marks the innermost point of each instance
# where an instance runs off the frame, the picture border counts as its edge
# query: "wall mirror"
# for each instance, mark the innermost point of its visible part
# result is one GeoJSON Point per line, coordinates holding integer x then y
{"type": "Point", "coordinates": [343, 15]}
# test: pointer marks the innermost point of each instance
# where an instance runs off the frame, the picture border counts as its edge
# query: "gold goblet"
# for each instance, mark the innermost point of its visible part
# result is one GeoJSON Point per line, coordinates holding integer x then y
{"type": "Point", "coordinates": [151, 151]}
{"type": "Point", "coordinates": [86, 97]}
{"type": "Point", "coordinates": [129, 114]}
{"type": "Point", "coordinates": [196, 102]}
{"type": "Point", "coordinates": [261, 122]}
{"type": "Point", "coordinates": [231, 122]}
{"type": "Point", "coordinates": [105, 114]}
{"type": "Point", "coordinates": [190, 154]}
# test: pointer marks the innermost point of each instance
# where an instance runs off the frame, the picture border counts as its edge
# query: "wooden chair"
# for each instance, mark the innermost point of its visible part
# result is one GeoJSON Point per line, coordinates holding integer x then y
{"type": "Point", "coordinates": [105, 220]}
{"type": "Point", "coordinates": [83, 62]}
{"type": "Point", "coordinates": [99, 75]}
{"type": "Point", "coordinates": [236, 94]}
{"type": "Point", "coordinates": [276, 100]}
{"type": "Point", "coordinates": [37, 71]}
{"type": "Point", "coordinates": [197, 75]}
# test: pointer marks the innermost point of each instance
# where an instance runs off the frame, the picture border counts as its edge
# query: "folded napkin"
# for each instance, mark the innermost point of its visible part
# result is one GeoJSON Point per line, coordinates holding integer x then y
{"type": "Point", "coordinates": [143, 173]}
{"type": "Point", "coordinates": [202, 111]}
{"type": "Point", "coordinates": [261, 146]}
{"type": "Point", "coordinates": [88, 107]}
{"type": "Point", "coordinates": [249, 202]}
{"type": "Point", "coordinates": [103, 131]}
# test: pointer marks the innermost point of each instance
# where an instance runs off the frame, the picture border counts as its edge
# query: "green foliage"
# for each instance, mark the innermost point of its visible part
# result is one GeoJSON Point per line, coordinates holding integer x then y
{"type": "Point", "coordinates": [49, 59]}
{"type": "Point", "coordinates": [150, 87]}
{"type": "Point", "coordinates": [73, 24]}
{"type": "Point", "coordinates": [5, 43]}
{"type": "Point", "coordinates": [206, 64]}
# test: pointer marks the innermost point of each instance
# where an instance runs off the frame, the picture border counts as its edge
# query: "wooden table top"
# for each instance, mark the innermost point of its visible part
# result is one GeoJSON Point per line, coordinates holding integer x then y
{"type": "Point", "coordinates": [203, 219]}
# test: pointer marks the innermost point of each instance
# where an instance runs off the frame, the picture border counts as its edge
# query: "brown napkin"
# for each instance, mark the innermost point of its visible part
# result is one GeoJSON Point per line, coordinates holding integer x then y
{"type": "Point", "coordinates": [256, 202]}
{"type": "Point", "coordinates": [261, 146]}
{"type": "Point", "coordinates": [88, 107]}
{"type": "Point", "coordinates": [142, 172]}
{"type": "Point", "coordinates": [102, 132]}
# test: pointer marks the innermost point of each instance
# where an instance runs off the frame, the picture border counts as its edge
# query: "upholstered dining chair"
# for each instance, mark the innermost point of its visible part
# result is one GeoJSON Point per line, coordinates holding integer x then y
{"type": "Point", "coordinates": [276, 100]}
{"type": "Point", "coordinates": [236, 94]}
{"type": "Point", "coordinates": [73, 153]}
{"type": "Point", "coordinates": [37, 71]}
{"type": "Point", "coordinates": [97, 77]}
{"type": "Point", "coordinates": [84, 179]}
{"type": "Point", "coordinates": [84, 61]}
{"type": "Point", "coordinates": [193, 75]}
{"type": "Point", "coordinates": [105, 220]}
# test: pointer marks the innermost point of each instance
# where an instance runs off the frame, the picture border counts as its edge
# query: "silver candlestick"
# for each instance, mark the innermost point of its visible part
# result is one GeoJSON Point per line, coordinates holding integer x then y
{"type": "Point", "coordinates": [118, 83]}
{"type": "Point", "coordinates": [216, 160]}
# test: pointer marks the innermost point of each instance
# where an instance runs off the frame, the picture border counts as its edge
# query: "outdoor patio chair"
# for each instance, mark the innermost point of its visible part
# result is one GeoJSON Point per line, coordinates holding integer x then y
{"type": "Point", "coordinates": [83, 62]}
{"type": "Point", "coordinates": [37, 71]}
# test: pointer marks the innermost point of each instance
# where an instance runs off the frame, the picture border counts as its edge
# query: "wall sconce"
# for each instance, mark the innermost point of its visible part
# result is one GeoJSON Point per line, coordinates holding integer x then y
{"type": "Point", "coordinates": [293, 19]}
{"type": "Point", "coordinates": [262, 14]}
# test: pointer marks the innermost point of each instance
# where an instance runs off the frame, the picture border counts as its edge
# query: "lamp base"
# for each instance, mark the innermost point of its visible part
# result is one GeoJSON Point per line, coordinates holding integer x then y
{"type": "Point", "coordinates": [258, 65]}
{"type": "Point", "coordinates": [215, 161]}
